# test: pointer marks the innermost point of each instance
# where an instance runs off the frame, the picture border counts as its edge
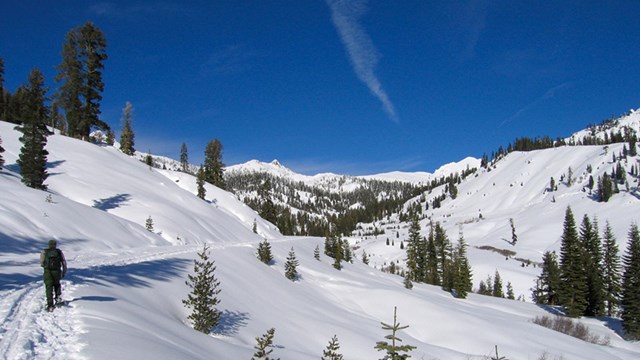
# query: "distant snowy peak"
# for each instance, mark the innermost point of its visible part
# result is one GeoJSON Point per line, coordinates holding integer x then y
{"type": "Point", "coordinates": [275, 168]}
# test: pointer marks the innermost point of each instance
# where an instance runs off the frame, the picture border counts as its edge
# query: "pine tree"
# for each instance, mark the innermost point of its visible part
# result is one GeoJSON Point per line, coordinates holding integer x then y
{"type": "Point", "coordinates": [80, 72]}
{"type": "Point", "coordinates": [1, 150]}
{"type": "Point", "coordinates": [254, 227]}
{"type": "Point", "coordinates": [346, 251]}
{"type": "Point", "coordinates": [264, 252]}
{"type": "Point", "coordinates": [573, 289]}
{"type": "Point", "coordinates": [394, 351]}
{"type": "Point", "coordinates": [548, 283]}
{"type": "Point", "coordinates": [331, 352]}
{"type": "Point", "coordinates": [590, 240]}
{"type": "Point", "coordinates": [213, 165]}
{"type": "Point", "coordinates": [630, 300]}
{"type": "Point", "coordinates": [605, 188]}
{"type": "Point", "coordinates": [127, 137]}
{"type": "Point", "coordinates": [149, 224]}
{"type": "Point", "coordinates": [462, 277]}
{"type": "Point", "coordinates": [202, 192]}
{"type": "Point", "coordinates": [610, 271]}
{"type": "Point", "coordinates": [514, 236]}
{"type": "Point", "coordinates": [33, 155]}
{"type": "Point", "coordinates": [497, 286]}
{"type": "Point", "coordinates": [184, 158]}
{"type": "Point", "coordinates": [316, 253]}
{"type": "Point", "coordinates": [412, 247]}
{"type": "Point", "coordinates": [432, 275]}
{"type": "Point", "coordinates": [510, 294]}
{"type": "Point", "coordinates": [365, 258]}
{"type": "Point", "coordinates": [204, 293]}
{"type": "Point", "coordinates": [290, 267]}
{"type": "Point", "coordinates": [264, 346]}
{"type": "Point", "coordinates": [443, 251]}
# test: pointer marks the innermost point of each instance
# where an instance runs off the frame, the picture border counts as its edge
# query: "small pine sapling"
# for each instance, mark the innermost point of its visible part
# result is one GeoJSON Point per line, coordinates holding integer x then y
{"type": "Point", "coordinates": [264, 345]}
{"type": "Point", "coordinates": [394, 350]}
{"type": "Point", "coordinates": [290, 267]}
{"type": "Point", "coordinates": [204, 293]}
{"type": "Point", "coordinates": [331, 352]}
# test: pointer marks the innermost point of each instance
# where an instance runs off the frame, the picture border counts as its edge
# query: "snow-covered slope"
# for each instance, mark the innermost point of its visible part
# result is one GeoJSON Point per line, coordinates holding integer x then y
{"type": "Point", "coordinates": [126, 284]}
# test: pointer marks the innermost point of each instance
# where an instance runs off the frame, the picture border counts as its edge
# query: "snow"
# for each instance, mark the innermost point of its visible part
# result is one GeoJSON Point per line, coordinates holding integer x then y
{"type": "Point", "coordinates": [125, 284]}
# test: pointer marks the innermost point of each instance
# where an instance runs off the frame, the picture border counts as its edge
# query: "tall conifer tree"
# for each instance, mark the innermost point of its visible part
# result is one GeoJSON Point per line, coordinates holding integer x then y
{"type": "Point", "coordinates": [213, 165]}
{"type": "Point", "coordinates": [33, 155]}
{"type": "Point", "coordinates": [462, 277]}
{"type": "Point", "coordinates": [610, 271]}
{"type": "Point", "coordinates": [202, 192]}
{"type": "Point", "coordinates": [184, 158]}
{"type": "Point", "coordinates": [204, 293]}
{"type": "Point", "coordinates": [590, 240]}
{"type": "Point", "coordinates": [1, 151]}
{"type": "Point", "coordinates": [83, 57]}
{"type": "Point", "coordinates": [127, 137]}
{"type": "Point", "coordinates": [573, 291]}
{"type": "Point", "coordinates": [548, 283]}
{"type": "Point", "coordinates": [631, 285]}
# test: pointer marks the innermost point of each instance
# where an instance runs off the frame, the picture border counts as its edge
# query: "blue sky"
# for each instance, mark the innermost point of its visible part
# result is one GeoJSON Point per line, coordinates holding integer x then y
{"type": "Point", "coordinates": [357, 87]}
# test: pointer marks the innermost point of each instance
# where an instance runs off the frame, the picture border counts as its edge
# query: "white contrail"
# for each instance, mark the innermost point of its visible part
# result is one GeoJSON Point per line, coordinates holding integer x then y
{"type": "Point", "coordinates": [363, 55]}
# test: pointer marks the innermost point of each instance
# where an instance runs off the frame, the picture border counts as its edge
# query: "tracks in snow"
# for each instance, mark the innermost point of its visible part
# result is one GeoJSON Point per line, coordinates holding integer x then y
{"type": "Point", "coordinates": [27, 331]}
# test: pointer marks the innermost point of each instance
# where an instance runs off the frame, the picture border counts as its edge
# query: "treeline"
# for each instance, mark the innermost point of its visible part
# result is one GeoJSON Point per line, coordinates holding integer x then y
{"type": "Point", "coordinates": [588, 278]}
{"type": "Point", "coordinates": [299, 209]}
{"type": "Point", "coordinates": [610, 136]}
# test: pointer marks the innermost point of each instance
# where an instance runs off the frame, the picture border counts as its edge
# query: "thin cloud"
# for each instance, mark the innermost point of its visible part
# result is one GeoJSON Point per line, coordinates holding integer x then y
{"type": "Point", "coordinates": [546, 96]}
{"type": "Point", "coordinates": [362, 53]}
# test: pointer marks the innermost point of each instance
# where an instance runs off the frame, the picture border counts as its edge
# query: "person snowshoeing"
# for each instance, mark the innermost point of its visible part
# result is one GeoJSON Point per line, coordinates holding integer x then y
{"type": "Point", "coordinates": [55, 268]}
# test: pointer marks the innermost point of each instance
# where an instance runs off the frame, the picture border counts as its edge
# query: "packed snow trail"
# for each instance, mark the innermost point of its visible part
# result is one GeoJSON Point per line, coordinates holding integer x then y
{"type": "Point", "coordinates": [29, 332]}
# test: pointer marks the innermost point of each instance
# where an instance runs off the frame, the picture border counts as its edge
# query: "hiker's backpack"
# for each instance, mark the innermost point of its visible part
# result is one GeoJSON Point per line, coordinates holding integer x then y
{"type": "Point", "coordinates": [52, 259]}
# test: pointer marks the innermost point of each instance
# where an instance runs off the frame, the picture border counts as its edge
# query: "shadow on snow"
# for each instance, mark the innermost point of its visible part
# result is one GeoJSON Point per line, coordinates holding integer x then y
{"type": "Point", "coordinates": [231, 322]}
{"type": "Point", "coordinates": [112, 202]}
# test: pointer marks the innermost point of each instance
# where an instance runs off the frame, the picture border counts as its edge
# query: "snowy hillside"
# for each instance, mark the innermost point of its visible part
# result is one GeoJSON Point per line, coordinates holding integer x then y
{"type": "Point", "coordinates": [126, 284]}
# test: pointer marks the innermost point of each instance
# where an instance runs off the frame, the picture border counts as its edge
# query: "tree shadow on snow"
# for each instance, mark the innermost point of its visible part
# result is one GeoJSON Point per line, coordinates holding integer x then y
{"type": "Point", "coordinates": [613, 324]}
{"type": "Point", "coordinates": [231, 322]}
{"type": "Point", "coordinates": [17, 281]}
{"type": "Point", "coordinates": [23, 245]}
{"type": "Point", "coordinates": [131, 275]}
{"type": "Point", "coordinates": [551, 309]}
{"type": "Point", "coordinates": [93, 298]}
{"type": "Point", "coordinates": [112, 202]}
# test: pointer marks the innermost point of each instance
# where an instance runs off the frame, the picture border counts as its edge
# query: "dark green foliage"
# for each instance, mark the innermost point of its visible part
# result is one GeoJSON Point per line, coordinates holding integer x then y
{"type": "Point", "coordinates": [264, 252]}
{"type": "Point", "coordinates": [203, 298]}
{"type": "Point", "coordinates": [630, 300]}
{"type": "Point", "coordinates": [461, 270]}
{"type": "Point", "coordinates": [83, 57]}
{"type": "Point", "coordinates": [149, 224]}
{"type": "Point", "coordinates": [610, 271]}
{"type": "Point", "coordinates": [510, 294]}
{"type": "Point", "coordinates": [605, 188]}
{"type": "Point", "coordinates": [127, 137]}
{"type": "Point", "coordinates": [346, 251]}
{"type": "Point", "coordinates": [1, 151]}
{"type": "Point", "coordinates": [393, 349]}
{"type": "Point", "coordinates": [267, 209]}
{"type": "Point", "coordinates": [213, 165]}
{"type": "Point", "coordinates": [573, 289]}
{"type": "Point", "coordinates": [111, 137]}
{"type": "Point", "coordinates": [497, 286]}
{"type": "Point", "coordinates": [443, 252]}
{"type": "Point", "coordinates": [514, 236]}
{"type": "Point", "coordinates": [412, 248]}
{"type": "Point", "coordinates": [264, 346]}
{"type": "Point", "coordinates": [202, 192]}
{"type": "Point", "coordinates": [33, 155]}
{"type": "Point", "coordinates": [592, 257]}
{"type": "Point", "coordinates": [548, 283]}
{"type": "Point", "coordinates": [184, 158]}
{"type": "Point", "coordinates": [331, 352]}
{"type": "Point", "coordinates": [365, 258]}
{"type": "Point", "coordinates": [291, 266]}
{"type": "Point", "coordinates": [148, 159]}
{"type": "Point", "coordinates": [316, 253]}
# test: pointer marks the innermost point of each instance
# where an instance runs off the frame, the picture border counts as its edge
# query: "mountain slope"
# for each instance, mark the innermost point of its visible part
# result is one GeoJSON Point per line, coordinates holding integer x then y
{"type": "Point", "coordinates": [125, 284]}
